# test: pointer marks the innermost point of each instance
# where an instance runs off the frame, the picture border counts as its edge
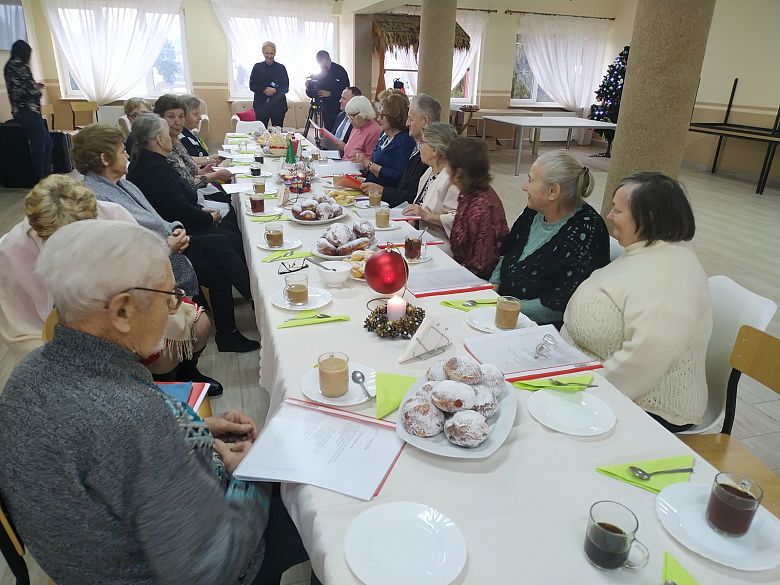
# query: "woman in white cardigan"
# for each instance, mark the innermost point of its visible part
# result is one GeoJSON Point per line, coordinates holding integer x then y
{"type": "Point", "coordinates": [437, 198]}
{"type": "Point", "coordinates": [647, 315]}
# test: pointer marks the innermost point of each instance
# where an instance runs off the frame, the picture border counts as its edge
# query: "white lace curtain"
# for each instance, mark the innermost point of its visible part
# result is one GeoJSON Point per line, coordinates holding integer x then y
{"type": "Point", "coordinates": [109, 46]}
{"type": "Point", "coordinates": [11, 24]}
{"type": "Point", "coordinates": [298, 28]}
{"type": "Point", "coordinates": [566, 55]}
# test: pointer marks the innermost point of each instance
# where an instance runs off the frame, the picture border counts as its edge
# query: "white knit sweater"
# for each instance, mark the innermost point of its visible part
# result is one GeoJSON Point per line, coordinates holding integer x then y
{"type": "Point", "coordinates": [647, 317]}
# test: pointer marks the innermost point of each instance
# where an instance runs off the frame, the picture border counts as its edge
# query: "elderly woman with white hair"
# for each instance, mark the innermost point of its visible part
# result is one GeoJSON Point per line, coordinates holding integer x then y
{"type": "Point", "coordinates": [556, 242]}
{"type": "Point", "coordinates": [365, 129]}
{"type": "Point", "coordinates": [145, 487]}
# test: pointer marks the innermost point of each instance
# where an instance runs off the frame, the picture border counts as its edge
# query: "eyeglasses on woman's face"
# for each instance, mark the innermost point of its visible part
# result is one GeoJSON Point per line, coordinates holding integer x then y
{"type": "Point", "coordinates": [174, 301]}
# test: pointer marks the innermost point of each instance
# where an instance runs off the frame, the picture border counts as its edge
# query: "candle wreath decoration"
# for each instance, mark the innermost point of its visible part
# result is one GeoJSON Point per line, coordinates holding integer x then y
{"type": "Point", "coordinates": [387, 272]}
{"type": "Point", "coordinates": [405, 327]}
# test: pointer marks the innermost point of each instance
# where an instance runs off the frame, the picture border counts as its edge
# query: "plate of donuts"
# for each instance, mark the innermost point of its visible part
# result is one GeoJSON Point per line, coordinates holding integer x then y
{"type": "Point", "coordinates": [459, 409]}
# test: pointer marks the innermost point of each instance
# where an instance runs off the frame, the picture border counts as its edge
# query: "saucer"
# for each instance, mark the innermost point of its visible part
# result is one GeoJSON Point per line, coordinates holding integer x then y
{"type": "Point", "coordinates": [484, 319]}
{"type": "Point", "coordinates": [392, 226]}
{"type": "Point", "coordinates": [288, 244]}
{"type": "Point", "coordinates": [318, 297]}
{"type": "Point", "coordinates": [572, 413]}
{"type": "Point", "coordinates": [310, 386]}
{"type": "Point", "coordinates": [419, 260]}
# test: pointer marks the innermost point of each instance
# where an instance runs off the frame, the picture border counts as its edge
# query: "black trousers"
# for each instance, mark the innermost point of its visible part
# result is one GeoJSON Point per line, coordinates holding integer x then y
{"type": "Point", "coordinates": [41, 144]}
{"type": "Point", "coordinates": [283, 546]}
{"type": "Point", "coordinates": [219, 268]}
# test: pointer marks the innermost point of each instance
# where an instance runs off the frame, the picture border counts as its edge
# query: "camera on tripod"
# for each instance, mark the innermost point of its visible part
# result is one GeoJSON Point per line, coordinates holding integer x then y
{"type": "Point", "coordinates": [312, 87]}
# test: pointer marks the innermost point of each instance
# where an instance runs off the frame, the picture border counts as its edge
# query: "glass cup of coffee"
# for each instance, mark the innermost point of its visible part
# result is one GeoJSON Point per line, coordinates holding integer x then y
{"type": "Point", "coordinates": [414, 248]}
{"type": "Point", "coordinates": [733, 503]}
{"type": "Point", "coordinates": [334, 374]}
{"type": "Point", "coordinates": [296, 289]}
{"type": "Point", "coordinates": [257, 203]}
{"type": "Point", "coordinates": [315, 155]}
{"type": "Point", "coordinates": [507, 312]}
{"type": "Point", "coordinates": [256, 169]}
{"type": "Point", "coordinates": [611, 536]}
{"type": "Point", "coordinates": [274, 234]}
{"type": "Point", "coordinates": [259, 185]}
{"type": "Point", "coordinates": [374, 197]}
{"type": "Point", "coordinates": [382, 217]}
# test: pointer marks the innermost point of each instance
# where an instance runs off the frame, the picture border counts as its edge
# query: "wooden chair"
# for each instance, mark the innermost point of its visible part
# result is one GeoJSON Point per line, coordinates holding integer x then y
{"type": "Point", "coordinates": [78, 107]}
{"type": "Point", "coordinates": [47, 110]}
{"type": "Point", "coordinates": [755, 354]}
{"type": "Point", "coordinates": [47, 332]}
{"type": "Point", "coordinates": [13, 551]}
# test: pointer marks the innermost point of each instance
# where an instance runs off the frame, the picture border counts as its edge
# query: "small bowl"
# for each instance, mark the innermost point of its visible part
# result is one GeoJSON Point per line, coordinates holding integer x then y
{"type": "Point", "coordinates": [339, 277]}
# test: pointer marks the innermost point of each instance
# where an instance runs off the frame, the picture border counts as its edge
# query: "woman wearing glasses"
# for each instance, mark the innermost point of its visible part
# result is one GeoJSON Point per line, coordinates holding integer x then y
{"type": "Point", "coordinates": [25, 302]}
{"type": "Point", "coordinates": [365, 130]}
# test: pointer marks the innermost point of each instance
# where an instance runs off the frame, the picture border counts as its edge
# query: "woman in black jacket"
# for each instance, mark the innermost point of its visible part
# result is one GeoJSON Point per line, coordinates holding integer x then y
{"type": "Point", "coordinates": [216, 256]}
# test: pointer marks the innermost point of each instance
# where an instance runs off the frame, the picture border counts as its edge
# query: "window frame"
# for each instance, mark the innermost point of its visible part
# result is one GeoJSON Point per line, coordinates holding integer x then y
{"type": "Point", "coordinates": [518, 102]}
{"type": "Point", "coordinates": [64, 75]}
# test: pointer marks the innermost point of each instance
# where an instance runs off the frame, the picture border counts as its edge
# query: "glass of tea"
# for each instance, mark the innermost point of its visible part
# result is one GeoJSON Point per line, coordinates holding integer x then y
{"type": "Point", "coordinates": [274, 234]}
{"type": "Point", "coordinates": [256, 169]}
{"type": "Point", "coordinates": [611, 536]}
{"type": "Point", "coordinates": [507, 312]}
{"type": "Point", "coordinates": [259, 158]}
{"type": "Point", "coordinates": [374, 197]}
{"type": "Point", "coordinates": [414, 248]}
{"type": "Point", "coordinates": [259, 185]}
{"type": "Point", "coordinates": [334, 374]}
{"type": "Point", "coordinates": [296, 289]}
{"type": "Point", "coordinates": [382, 217]}
{"type": "Point", "coordinates": [733, 503]}
{"type": "Point", "coordinates": [257, 203]}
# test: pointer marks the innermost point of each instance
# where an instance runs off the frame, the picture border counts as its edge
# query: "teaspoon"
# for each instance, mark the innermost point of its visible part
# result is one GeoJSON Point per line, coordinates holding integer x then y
{"type": "Point", "coordinates": [473, 303]}
{"type": "Point", "coordinates": [642, 474]}
{"type": "Point", "coordinates": [359, 378]}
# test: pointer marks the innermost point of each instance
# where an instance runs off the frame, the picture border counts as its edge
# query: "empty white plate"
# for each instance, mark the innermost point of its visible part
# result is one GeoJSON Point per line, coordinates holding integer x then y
{"type": "Point", "coordinates": [287, 244]}
{"type": "Point", "coordinates": [572, 413]}
{"type": "Point", "coordinates": [404, 543]}
{"type": "Point", "coordinates": [310, 386]}
{"type": "Point", "coordinates": [318, 297]}
{"type": "Point", "coordinates": [484, 319]}
{"type": "Point", "coordinates": [681, 508]}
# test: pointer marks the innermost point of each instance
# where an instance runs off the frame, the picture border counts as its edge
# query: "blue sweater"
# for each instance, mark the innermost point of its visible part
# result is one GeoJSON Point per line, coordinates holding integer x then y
{"type": "Point", "coordinates": [392, 158]}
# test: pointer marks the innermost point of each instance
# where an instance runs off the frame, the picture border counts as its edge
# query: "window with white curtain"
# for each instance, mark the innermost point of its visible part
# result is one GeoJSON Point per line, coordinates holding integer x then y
{"type": "Point", "coordinates": [12, 26]}
{"type": "Point", "coordinates": [525, 88]}
{"type": "Point", "coordinates": [168, 74]}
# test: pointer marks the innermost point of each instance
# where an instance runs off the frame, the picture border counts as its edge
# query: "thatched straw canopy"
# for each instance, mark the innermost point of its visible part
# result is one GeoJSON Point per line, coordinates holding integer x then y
{"type": "Point", "coordinates": [400, 31]}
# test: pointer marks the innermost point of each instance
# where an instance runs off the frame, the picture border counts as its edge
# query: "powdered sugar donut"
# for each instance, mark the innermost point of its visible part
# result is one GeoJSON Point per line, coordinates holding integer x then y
{"type": "Point", "coordinates": [363, 229]}
{"type": "Point", "coordinates": [493, 378]}
{"type": "Point", "coordinates": [466, 428]}
{"type": "Point", "coordinates": [485, 403]}
{"type": "Point", "coordinates": [324, 210]}
{"type": "Point", "coordinates": [421, 418]}
{"type": "Point", "coordinates": [463, 370]}
{"type": "Point", "coordinates": [426, 389]}
{"type": "Point", "coordinates": [338, 234]}
{"type": "Point", "coordinates": [309, 204]}
{"type": "Point", "coordinates": [451, 396]}
{"type": "Point", "coordinates": [436, 371]}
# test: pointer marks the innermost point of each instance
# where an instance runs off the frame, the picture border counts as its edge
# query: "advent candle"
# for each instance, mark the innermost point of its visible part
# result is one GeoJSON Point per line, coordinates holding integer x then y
{"type": "Point", "coordinates": [396, 308]}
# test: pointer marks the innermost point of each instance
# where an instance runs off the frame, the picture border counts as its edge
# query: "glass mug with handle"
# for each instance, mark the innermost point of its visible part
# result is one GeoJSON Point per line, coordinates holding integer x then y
{"type": "Point", "coordinates": [274, 234]}
{"type": "Point", "coordinates": [611, 536]}
{"type": "Point", "coordinates": [415, 248]}
{"type": "Point", "coordinates": [296, 289]}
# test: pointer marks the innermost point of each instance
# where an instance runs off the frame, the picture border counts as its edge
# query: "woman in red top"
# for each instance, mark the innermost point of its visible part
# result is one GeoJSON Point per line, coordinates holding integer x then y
{"type": "Point", "coordinates": [480, 221]}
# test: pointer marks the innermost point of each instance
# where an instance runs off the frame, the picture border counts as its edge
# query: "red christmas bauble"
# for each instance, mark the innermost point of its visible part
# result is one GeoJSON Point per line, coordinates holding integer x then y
{"type": "Point", "coordinates": [386, 272]}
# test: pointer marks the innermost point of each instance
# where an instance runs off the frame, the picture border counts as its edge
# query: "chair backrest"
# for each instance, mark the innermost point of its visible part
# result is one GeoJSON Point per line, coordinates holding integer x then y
{"type": "Point", "coordinates": [46, 111]}
{"type": "Point", "coordinates": [240, 106]}
{"type": "Point", "coordinates": [47, 331]}
{"type": "Point", "coordinates": [77, 107]}
{"type": "Point", "coordinates": [124, 124]}
{"type": "Point", "coordinates": [732, 307]}
{"type": "Point", "coordinates": [250, 127]}
{"type": "Point", "coordinates": [12, 548]}
{"type": "Point", "coordinates": [615, 249]}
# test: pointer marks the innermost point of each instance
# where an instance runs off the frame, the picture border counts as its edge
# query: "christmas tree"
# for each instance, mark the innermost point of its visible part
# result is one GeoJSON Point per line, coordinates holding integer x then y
{"type": "Point", "coordinates": [608, 94]}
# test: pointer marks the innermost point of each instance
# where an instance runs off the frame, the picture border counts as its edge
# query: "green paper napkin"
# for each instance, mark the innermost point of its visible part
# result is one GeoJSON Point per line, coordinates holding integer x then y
{"type": "Point", "coordinates": [281, 255]}
{"type": "Point", "coordinates": [459, 304]}
{"type": "Point", "coordinates": [242, 163]}
{"type": "Point", "coordinates": [267, 218]}
{"type": "Point", "coordinates": [243, 176]}
{"type": "Point", "coordinates": [656, 483]}
{"type": "Point", "coordinates": [578, 383]}
{"type": "Point", "coordinates": [390, 390]}
{"type": "Point", "coordinates": [312, 321]}
{"type": "Point", "coordinates": [674, 571]}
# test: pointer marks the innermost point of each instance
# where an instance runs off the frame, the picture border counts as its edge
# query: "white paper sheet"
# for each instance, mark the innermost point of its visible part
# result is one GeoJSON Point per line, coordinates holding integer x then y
{"type": "Point", "coordinates": [330, 448]}
{"type": "Point", "coordinates": [443, 281]}
{"type": "Point", "coordinates": [330, 154]}
{"type": "Point", "coordinates": [235, 156]}
{"type": "Point", "coordinates": [231, 188]}
{"type": "Point", "coordinates": [513, 352]}
{"type": "Point", "coordinates": [337, 167]}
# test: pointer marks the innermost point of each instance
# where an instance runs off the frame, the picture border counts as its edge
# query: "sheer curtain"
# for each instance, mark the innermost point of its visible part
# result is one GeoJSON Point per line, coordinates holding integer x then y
{"type": "Point", "coordinates": [401, 59]}
{"type": "Point", "coordinates": [566, 55]}
{"type": "Point", "coordinates": [110, 45]}
{"type": "Point", "coordinates": [11, 23]}
{"type": "Point", "coordinates": [299, 28]}
{"type": "Point", "coordinates": [474, 24]}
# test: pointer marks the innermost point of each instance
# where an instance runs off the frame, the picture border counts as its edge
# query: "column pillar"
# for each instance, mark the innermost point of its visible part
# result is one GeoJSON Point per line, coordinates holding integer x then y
{"type": "Point", "coordinates": [662, 77]}
{"type": "Point", "coordinates": [437, 39]}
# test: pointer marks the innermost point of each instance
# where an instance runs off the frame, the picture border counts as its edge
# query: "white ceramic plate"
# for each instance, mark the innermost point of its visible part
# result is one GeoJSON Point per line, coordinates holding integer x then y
{"type": "Point", "coordinates": [310, 386]}
{"type": "Point", "coordinates": [500, 426]}
{"type": "Point", "coordinates": [572, 413]}
{"type": "Point", "coordinates": [319, 254]}
{"type": "Point", "coordinates": [394, 225]}
{"type": "Point", "coordinates": [318, 297]}
{"type": "Point", "coordinates": [484, 319]}
{"type": "Point", "coordinates": [419, 260]}
{"type": "Point", "coordinates": [681, 507]}
{"type": "Point", "coordinates": [275, 211]}
{"type": "Point", "coordinates": [288, 244]}
{"type": "Point", "coordinates": [405, 543]}
{"type": "Point", "coordinates": [319, 221]}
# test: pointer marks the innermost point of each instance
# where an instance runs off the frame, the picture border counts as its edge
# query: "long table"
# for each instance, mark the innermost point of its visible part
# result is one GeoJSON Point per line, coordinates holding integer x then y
{"type": "Point", "coordinates": [522, 122]}
{"type": "Point", "coordinates": [523, 511]}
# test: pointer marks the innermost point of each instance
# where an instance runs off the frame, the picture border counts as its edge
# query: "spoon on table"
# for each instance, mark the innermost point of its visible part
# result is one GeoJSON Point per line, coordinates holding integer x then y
{"type": "Point", "coordinates": [317, 316]}
{"type": "Point", "coordinates": [473, 303]}
{"type": "Point", "coordinates": [642, 474]}
{"type": "Point", "coordinates": [359, 378]}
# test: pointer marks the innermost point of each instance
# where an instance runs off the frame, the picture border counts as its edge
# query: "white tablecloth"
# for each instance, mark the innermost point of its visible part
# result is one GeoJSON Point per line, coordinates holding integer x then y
{"type": "Point", "coordinates": [523, 511]}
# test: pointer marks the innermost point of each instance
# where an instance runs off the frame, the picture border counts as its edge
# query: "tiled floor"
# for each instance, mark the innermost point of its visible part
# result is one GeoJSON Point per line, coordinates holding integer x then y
{"type": "Point", "coordinates": [737, 235]}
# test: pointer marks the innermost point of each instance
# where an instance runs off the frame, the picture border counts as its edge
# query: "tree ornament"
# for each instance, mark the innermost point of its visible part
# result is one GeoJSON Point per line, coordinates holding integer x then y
{"type": "Point", "coordinates": [386, 271]}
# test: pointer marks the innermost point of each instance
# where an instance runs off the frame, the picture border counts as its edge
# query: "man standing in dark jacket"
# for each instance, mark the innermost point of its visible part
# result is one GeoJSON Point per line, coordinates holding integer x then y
{"type": "Point", "coordinates": [333, 80]}
{"type": "Point", "coordinates": [423, 110]}
{"type": "Point", "coordinates": [270, 83]}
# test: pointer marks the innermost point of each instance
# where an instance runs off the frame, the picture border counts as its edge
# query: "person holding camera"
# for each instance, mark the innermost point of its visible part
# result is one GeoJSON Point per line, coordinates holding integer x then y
{"type": "Point", "coordinates": [333, 79]}
{"type": "Point", "coordinates": [270, 83]}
